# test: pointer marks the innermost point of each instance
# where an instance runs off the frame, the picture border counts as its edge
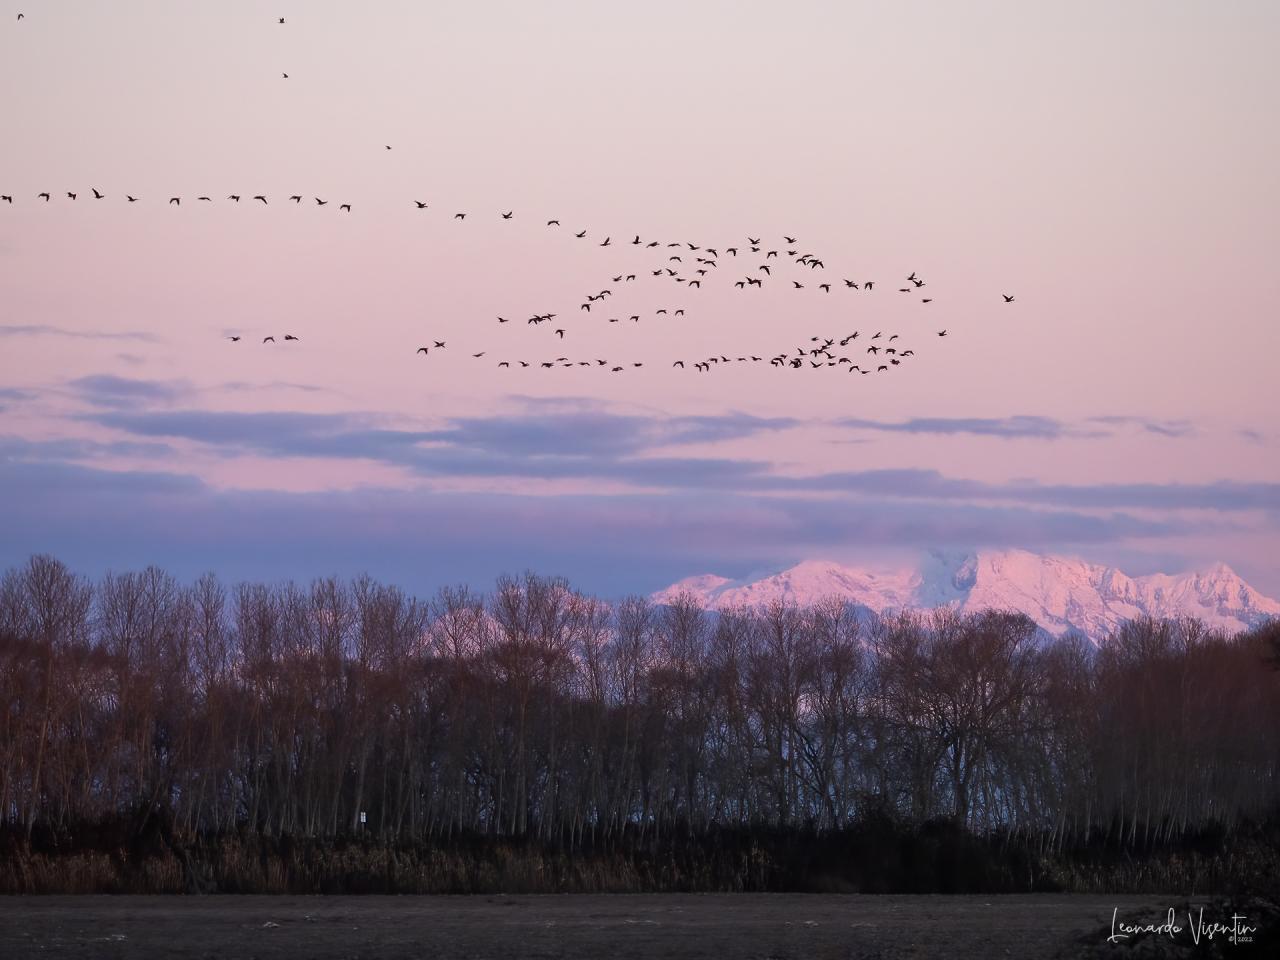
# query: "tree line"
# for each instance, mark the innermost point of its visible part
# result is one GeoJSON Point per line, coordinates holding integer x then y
{"type": "Point", "coordinates": [535, 711]}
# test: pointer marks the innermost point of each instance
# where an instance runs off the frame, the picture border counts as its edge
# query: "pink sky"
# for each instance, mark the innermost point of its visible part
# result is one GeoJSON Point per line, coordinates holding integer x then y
{"type": "Point", "coordinates": [1108, 164]}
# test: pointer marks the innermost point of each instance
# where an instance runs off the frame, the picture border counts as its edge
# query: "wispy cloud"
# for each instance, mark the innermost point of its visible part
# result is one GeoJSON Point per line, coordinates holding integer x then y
{"type": "Point", "coordinates": [10, 395]}
{"type": "Point", "coordinates": [1020, 427]}
{"type": "Point", "coordinates": [108, 390]}
{"type": "Point", "coordinates": [914, 484]}
{"type": "Point", "coordinates": [43, 329]}
{"type": "Point", "coordinates": [1016, 427]}
{"type": "Point", "coordinates": [245, 386]}
{"type": "Point", "coordinates": [1164, 428]}
{"type": "Point", "coordinates": [583, 448]}
{"type": "Point", "coordinates": [589, 435]}
{"type": "Point", "coordinates": [70, 450]}
{"type": "Point", "coordinates": [597, 433]}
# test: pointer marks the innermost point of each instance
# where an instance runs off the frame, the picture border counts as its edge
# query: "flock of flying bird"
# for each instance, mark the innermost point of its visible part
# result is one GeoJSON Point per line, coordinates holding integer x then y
{"type": "Point", "coordinates": [690, 264]}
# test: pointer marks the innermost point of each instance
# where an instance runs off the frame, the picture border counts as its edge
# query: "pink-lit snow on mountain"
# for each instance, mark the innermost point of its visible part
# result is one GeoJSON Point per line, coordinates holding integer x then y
{"type": "Point", "coordinates": [1059, 593]}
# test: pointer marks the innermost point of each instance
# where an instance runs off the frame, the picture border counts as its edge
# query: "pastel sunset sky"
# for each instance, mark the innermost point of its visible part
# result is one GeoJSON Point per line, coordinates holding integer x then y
{"type": "Point", "coordinates": [1109, 164]}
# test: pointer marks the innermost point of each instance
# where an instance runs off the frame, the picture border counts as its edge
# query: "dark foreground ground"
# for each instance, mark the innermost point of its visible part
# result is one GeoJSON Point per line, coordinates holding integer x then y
{"type": "Point", "coordinates": [722, 927]}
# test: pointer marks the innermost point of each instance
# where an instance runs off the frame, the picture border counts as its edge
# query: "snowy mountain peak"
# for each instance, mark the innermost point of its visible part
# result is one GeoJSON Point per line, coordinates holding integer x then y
{"type": "Point", "coordinates": [1060, 593]}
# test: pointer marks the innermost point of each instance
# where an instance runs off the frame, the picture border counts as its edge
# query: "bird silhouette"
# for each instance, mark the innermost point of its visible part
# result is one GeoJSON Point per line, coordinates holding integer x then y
{"type": "Point", "coordinates": [560, 333]}
{"type": "Point", "coordinates": [580, 235]}
{"type": "Point", "coordinates": [131, 199]}
{"type": "Point", "coordinates": [507, 215]}
{"type": "Point", "coordinates": [44, 195]}
{"type": "Point", "coordinates": [235, 197]}
{"type": "Point", "coordinates": [478, 355]}
{"type": "Point", "coordinates": [345, 206]}
{"type": "Point", "coordinates": [319, 202]}
{"type": "Point", "coordinates": [96, 194]}
{"type": "Point", "coordinates": [296, 198]}
{"type": "Point", "coordinates": [421, 205]}
{"type": "Point", "coordinates": [6, 198]}
{"type": "Point", "coordinates": [71, 195]}
{"type": "Point", "coordinates": [606, 242]}
{"type": "Point", "coordinates": [290, 336]}
{"type": "Point", "coordinates": [284, 76]}
{"type": "Point", "coordinates": [553, 223]}
{"type": "Point", "coordinates": [233, 339]}
{"type": "Point", "coordinates": [942, 333]}
{"type": "Point", "coordinates": [260, 197]}
{"type": "Point", "coordinates": [177, 200]}
{"type": "Point", "coordinates": [423, 350]}
{"type": "Point", "coordinates": [1007, 298]}
{"type": "Point", "coordinates": [268, 339]}
{"type": "Point", "coordinates": [438, 343]}
{"type": "Point", "coordinates": [459, 216]}
{"type": "Point", "coordinates": [209, 199]}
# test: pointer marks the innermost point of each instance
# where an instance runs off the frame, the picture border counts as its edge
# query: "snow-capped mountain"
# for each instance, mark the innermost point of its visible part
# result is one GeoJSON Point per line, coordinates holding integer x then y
{"type": "Point", "coordinates": [1059, 593]}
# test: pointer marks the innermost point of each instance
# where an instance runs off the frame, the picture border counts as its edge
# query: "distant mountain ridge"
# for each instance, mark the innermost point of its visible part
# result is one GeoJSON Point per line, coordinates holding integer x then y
{"type": "Point", "coordinates": [1061, 594]}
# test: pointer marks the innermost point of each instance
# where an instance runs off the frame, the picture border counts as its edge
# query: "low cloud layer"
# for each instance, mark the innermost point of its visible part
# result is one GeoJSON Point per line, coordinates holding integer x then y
{"type": "Point", "coordinates": [610, 447]}
{"type": "Point", "coordinates": [687, 505]}
{"type": "Point", "coordinates": [97, 518]}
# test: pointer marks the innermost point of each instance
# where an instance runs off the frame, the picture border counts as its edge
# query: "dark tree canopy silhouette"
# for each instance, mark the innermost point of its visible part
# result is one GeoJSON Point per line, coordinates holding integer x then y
{"type": "Point", "coordinates": [538, 713]}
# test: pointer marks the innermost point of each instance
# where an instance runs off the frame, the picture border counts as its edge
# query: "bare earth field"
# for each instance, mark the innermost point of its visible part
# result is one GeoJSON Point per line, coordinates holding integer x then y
{"type": "Point", "coordinates": [717, 927]}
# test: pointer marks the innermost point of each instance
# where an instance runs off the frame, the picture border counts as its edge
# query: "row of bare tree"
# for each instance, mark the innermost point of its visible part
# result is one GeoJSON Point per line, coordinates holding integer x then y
{"type": "Point", "coordinates": [538, 711]}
